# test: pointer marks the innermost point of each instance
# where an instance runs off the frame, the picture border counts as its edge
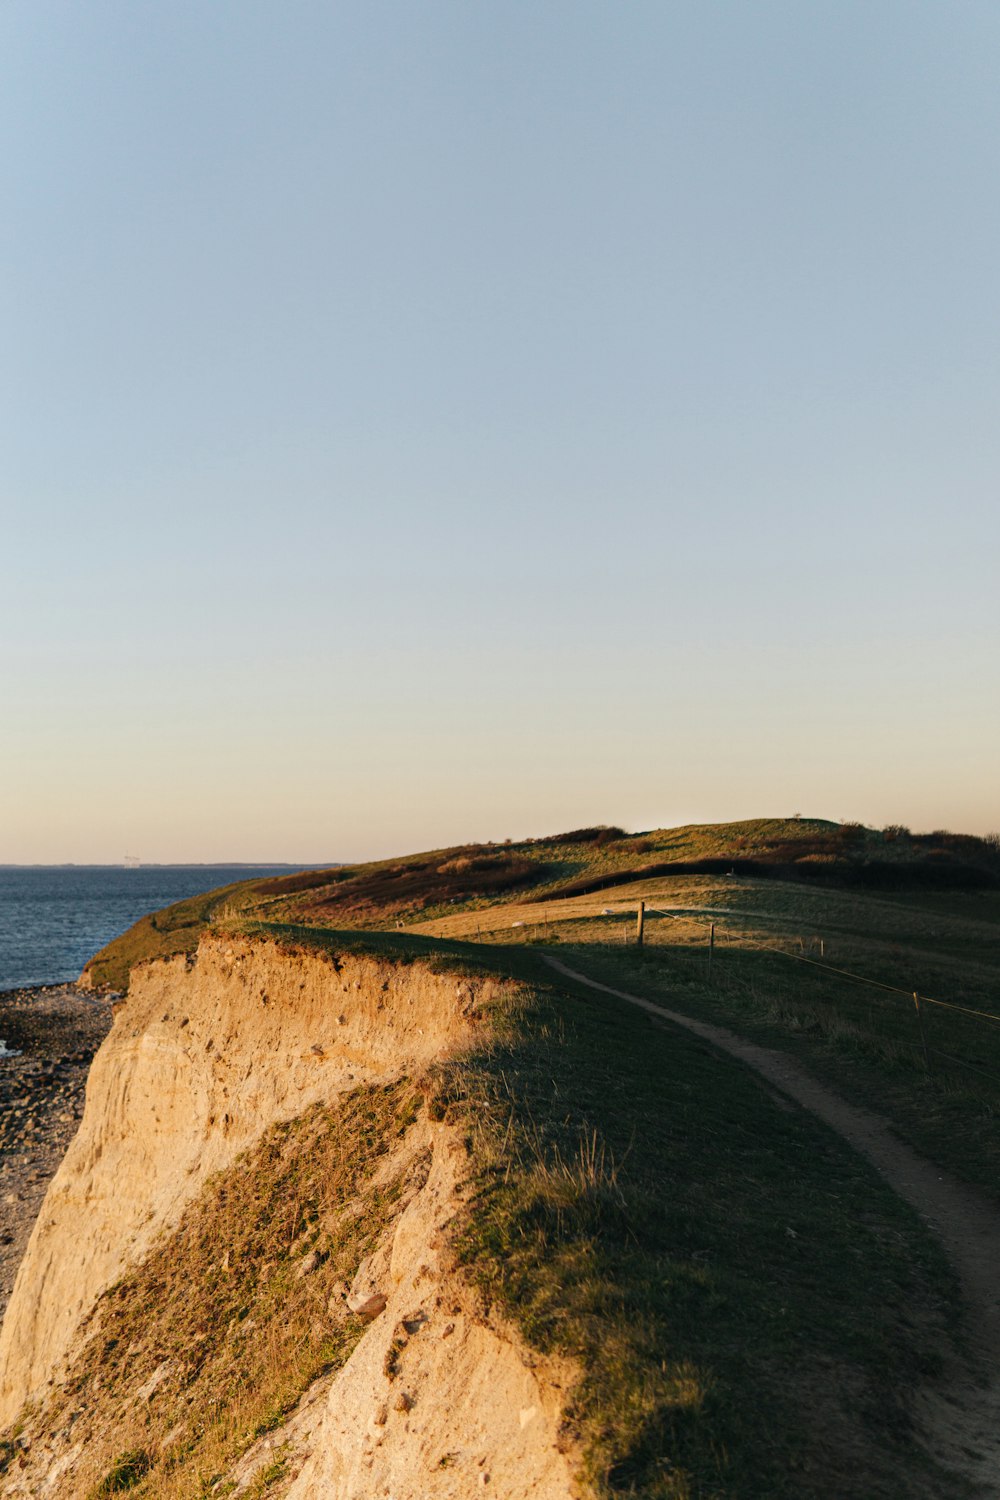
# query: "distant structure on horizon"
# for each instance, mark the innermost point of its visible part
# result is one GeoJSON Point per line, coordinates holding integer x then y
{"type": "Point", "coordinates": [131, 862]}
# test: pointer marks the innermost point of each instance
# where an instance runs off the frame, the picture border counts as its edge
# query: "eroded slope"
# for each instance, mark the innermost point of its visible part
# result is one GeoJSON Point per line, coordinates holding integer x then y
{"type": "Point", "coordinates": [203, 1058]}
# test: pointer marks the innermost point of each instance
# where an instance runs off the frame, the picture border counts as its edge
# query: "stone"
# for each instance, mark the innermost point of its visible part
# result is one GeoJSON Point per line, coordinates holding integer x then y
{"type": "Point", "coordinates": [309, 1264]}
{"type": "Point", "coordinates": [367, 1307]}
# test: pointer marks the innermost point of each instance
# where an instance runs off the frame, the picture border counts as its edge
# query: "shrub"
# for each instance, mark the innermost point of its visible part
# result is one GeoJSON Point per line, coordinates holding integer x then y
{"type": "Point", "coordinates": [602, 834]}
{"type": "Point", "coordinates": [308, 880]}
{"type": "Point", "coordinates": [124, 1474]}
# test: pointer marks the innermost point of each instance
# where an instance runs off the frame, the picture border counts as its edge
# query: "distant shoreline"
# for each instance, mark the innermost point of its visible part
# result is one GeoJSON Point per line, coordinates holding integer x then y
{"type": "Point", "coordinates": [194, 864]}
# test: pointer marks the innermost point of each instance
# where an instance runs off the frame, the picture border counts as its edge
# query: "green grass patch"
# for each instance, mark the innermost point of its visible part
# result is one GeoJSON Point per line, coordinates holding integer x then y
{"type": "Point", "coordinates": [865, 1043]}
{"type": "Point", "coordinates": [125, 1473]}
{"type": "Point", "coordinates": [161, 934]}
{"type": "Point", "coordinates": [751, 1306]}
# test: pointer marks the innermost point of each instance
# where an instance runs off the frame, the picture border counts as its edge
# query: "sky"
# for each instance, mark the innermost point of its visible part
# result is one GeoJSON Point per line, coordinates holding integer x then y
{"type": "Point", "coordinates": [461, 421]}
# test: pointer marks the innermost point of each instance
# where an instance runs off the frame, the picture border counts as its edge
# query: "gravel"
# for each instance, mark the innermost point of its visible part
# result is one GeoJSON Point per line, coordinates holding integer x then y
{"type": "Point", "coordinates": [55, 1030]}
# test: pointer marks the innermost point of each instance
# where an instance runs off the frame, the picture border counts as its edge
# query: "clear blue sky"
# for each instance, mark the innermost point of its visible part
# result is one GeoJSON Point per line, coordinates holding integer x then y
{"type": "Point", "coordinates": [425, 423]}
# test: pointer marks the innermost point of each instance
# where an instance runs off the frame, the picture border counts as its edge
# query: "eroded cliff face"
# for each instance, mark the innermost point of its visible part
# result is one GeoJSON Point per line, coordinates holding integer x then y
{"type": "Point", "coordinates": [207, 1056]}
{"type": "Point", "coordinates": [438, 1401]}
{"type": "Point", "coordinates": [201, 1060]}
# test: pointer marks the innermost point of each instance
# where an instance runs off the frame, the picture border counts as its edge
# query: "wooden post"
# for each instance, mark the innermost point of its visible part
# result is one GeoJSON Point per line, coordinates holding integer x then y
{"type": "Point", "coordinates": [640, 918]}
{"type": "Point", "coordinates": [920, 1023]}
{"type": "Point", "coordinates": [711, 944]}
{"type": "Point", "coordinates": [822, 948]}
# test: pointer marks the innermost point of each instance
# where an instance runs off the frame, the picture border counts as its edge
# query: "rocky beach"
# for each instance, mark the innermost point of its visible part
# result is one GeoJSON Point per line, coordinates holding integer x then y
{"type": "Point", "coordinates": [52, 1033]}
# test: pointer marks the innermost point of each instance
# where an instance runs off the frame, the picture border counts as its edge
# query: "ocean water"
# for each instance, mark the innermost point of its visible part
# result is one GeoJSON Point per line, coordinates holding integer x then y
{"type": "Point", "coordinates": [52, 919]}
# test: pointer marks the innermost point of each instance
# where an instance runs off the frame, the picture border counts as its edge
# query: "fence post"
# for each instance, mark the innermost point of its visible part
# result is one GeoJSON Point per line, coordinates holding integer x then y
{"type": "Point", "coordinates": [711, 945]}
{"type": "Point", "coordinates": [640, 918]}
{"type": "Point", "coordinates": [920, 1023]}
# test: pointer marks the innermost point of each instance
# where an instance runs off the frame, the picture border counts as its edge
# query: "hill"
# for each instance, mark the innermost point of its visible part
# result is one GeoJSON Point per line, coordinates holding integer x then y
{"type": "Point", "coordinates": [367, 1198]}
{"type": "Point", "coordinates": [425, 886]}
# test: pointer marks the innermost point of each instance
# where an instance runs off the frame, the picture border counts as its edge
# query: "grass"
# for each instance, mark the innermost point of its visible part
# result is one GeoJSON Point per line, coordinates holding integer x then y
{"type": "Point", "coordinates": [750, 1305]}
{"type": "Point", "coordinates": [751, 1308]}
{"type": "Point", "coordinates": [866, 1042]}
{"type": "Point", "coordinates": [424, 887]}
{"type": "Point", "coordinates": [125, 1473]}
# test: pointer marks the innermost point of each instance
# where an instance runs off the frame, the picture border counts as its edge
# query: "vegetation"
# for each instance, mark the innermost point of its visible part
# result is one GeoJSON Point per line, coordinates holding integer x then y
{"type": "Point", "coordinates": [947, 1114]}
{"type": "Point", "coordinates": [750, 1305]}
{"type": "Point", "coordinates": [161, 934]}
{"type": "Point", "coordinates": [211, 1341]}
{"type": "Point", "coordinates": [471, 877]}
{"type": "Point", "coordinates": [751, 1308]}
{"type": "Point", "coordinates": [830, 976]}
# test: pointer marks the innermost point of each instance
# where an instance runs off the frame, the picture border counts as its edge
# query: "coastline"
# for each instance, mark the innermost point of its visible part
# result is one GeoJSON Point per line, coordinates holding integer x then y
{"type": "Point", "coordinates": [55, 1030]}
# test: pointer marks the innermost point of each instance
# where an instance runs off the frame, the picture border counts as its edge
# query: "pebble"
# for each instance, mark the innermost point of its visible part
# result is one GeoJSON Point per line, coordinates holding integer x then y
{"type": "Point", "coordinates": [56, 1029]}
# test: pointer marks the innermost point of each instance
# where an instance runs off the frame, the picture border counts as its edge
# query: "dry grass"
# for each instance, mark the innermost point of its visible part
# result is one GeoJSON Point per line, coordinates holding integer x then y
{"type": "Point", "coordinates": [432, 885]}
{"type": "Point", "coordinates": [215, 1337]}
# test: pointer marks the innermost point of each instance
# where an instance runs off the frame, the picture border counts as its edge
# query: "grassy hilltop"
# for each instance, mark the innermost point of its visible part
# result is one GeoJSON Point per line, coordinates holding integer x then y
{"type": "Point", "coordinates": [421, 887]}
{"type": "Point", "coordinates": [753, 1310]}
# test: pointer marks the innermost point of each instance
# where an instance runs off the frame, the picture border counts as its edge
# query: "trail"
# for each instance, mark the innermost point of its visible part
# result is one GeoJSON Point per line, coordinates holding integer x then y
{"type": "Point", "coordinates": [960, 1415]}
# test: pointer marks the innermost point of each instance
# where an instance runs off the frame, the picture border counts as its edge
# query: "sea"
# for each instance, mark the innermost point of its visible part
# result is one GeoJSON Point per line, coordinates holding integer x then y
{"type": "Point", "coordinates": [53, 918]}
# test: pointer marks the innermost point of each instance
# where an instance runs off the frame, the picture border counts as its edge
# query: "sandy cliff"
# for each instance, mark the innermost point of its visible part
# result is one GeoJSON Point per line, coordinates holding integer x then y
{"type": "Point", "coordinates": [204, 1057]}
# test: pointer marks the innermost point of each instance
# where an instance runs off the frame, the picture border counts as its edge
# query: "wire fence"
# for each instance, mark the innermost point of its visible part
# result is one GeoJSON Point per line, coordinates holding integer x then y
{"type": "Point", "coordinates": [891, 1029]}
{"type": "Point", "coordinates": [915, 998]}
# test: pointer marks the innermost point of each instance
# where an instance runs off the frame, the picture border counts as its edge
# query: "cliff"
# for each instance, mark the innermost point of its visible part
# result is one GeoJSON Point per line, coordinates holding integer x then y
{"type": "Point", "coordinates": [351, 1216]}
{"type": "Point", "coordinates": [207, 1059]}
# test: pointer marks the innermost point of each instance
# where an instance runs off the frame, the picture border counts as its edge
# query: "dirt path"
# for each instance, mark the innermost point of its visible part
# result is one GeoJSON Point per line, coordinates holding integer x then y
{"type": "Point", "coordinates": [961, 1414]}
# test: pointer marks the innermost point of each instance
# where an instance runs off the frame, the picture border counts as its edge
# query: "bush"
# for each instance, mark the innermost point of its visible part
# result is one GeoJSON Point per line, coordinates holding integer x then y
{"type": "Point", "coordinates": [124, 1474]}
{"type": "Point", "coordinates": [308, 880]}
{"type": "Point", "coordinates": [602, 834]}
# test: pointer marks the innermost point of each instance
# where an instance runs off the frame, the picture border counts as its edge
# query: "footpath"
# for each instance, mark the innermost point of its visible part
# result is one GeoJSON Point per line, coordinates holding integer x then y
{"type": "Point", "coordinates": [959, 1415]}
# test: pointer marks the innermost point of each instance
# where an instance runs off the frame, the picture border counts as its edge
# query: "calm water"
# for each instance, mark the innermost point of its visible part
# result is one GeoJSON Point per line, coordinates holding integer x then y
{"type": "Point", "coordinates": [53, 920]}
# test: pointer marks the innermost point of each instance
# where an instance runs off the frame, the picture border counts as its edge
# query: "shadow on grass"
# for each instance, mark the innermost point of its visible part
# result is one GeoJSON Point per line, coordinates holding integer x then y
{"type": "Point", "coordinates": [750, 1304]}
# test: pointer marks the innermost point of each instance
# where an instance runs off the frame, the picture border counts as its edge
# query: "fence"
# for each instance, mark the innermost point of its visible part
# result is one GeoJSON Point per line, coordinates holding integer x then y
{"type": "Point", "coordinates": [915, 999]}
{"type": "Point", "coordinates": [915, 1035]}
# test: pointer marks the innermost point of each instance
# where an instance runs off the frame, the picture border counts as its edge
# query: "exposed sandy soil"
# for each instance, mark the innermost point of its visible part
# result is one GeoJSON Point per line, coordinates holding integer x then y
{"type": "Point", "coordinates": [438, 1401]}
{"type": "Point", "coordinates": [205, 1055]}
{"type": "Point", "coordinates": [961, 1413]}
{"type": "Point", "coordinates": [57, 1029]}
{"type": "Point", "coordinates": [438, 1398]}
